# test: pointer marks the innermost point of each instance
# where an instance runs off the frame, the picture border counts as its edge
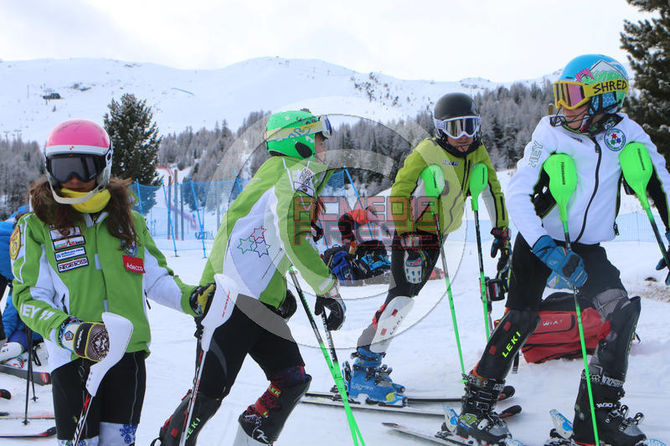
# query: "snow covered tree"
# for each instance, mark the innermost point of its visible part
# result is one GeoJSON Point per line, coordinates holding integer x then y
{"type": "Point", "coordinates": [135, 140]}
{"type": "Point", "coordinates": [648, 43]}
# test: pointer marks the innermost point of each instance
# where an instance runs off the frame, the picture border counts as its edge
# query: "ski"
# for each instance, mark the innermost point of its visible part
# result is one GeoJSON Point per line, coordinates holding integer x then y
{"type": "Point", "coordinates": [328, 400]}
{"type": "Point", "coordinates": [44, 434]}
{"type": "Point", "coordinates": [561, 434]}
{"type": "Point", "coordinates": [4, 393]}
{"type": "Point", "coordinates": [447, 436]}
{"type": "Point", "coordinates": [41, 378]}
{"type": "Point", "coordinates": [507, 392]}
{"type": "Point", "coordinates": [20, 416]}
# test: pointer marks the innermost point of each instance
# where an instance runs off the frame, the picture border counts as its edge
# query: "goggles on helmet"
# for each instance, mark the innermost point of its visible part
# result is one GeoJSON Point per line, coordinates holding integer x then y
{"type": "Point", "coordinates": [571, 94]}
{"type": "Point", "coordinates": [320, 125]}
{"type": "Point", "coordinates": [85, 167]}
{"type": "Point", "coordinates": [458, 127]}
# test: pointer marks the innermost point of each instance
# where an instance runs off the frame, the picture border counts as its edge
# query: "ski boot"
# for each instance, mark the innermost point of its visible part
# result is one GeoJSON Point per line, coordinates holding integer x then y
{"type": "Point", "coordinates": [263, 421]}
{"type": "Point", "coordinates": [203, 409]}
{"type": "Point", "coordinates": [478, 421]}
{"type": "Point", "coordinates": [368, 376]}
{"type": "Point", "coordinates": [614, 426]}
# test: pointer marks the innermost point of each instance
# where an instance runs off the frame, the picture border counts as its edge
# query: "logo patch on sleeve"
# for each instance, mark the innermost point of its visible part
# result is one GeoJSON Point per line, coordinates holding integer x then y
{"type": "Point", "coordinates": [615, 139]}
{"type": "Point", "coordinates": [72, 264]}
{"type": "Point", "coordinates": [15, 243]}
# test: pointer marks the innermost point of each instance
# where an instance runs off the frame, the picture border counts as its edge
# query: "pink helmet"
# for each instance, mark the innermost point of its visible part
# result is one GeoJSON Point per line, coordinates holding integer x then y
{"type": "Point", "coordinates": [78, 148]}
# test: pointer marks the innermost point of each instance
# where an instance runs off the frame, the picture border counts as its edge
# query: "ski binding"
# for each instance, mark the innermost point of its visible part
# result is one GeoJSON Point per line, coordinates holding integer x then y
{"type": "Point", "coordinates": [561, 434]}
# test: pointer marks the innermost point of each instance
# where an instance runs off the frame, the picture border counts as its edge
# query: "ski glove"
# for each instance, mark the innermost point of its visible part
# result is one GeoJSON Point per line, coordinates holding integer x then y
{"type": "Point", "coordinates": [661, 263]}
{"type": "Point", "coordinates": [88, 340]}
{"type": "Point", "coordinates": [564, 263]}
{"type": "Point", "coordinates": [414, 264]}
{"type": "Point", "coordinates": [334, 303]}
{"type": "Point", "coordinates": [201, 298]}
{"type": "Point", "coordinates": [500, 242]}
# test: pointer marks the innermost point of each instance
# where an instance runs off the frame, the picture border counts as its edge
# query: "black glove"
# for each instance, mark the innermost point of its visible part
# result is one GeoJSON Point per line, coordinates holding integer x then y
{"type": "Point", "coordinates": [318, 232]}
{"type": "Point", "coordinates": [201, 298]}
{"type": "Point", "coordinates": [500, 241]}
{"type": "Point", "coordinates": [333, 302]}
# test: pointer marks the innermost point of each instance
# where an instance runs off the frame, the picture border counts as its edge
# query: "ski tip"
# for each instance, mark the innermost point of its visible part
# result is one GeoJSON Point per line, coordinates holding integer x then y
{"type": "Point", "coordinates": [4, 393]}
{"type": "Point", "coordinates": [4, 414]}
{"type": "Point", "coordinates": [507, 392]}
{"type": "Point", "coordinates": [50, 432]}
{"type": "Point", "coordinates": [510, 411]}
{"type": "Point", "coordinates": [389, 424]}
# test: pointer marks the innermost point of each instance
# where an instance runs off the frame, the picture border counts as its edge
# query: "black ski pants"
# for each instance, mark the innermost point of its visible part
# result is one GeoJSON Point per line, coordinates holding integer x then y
{"type": "Point", "coordinates": [253, 329]}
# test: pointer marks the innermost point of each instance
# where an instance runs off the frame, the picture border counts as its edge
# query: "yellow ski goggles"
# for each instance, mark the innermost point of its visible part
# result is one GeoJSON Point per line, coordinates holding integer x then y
{"type": "Point", "coordinates": [571, 94]}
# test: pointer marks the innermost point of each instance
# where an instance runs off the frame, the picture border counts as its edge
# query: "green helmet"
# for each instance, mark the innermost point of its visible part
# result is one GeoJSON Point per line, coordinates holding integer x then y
{"type": "Point", "coordinates": [291, 133]}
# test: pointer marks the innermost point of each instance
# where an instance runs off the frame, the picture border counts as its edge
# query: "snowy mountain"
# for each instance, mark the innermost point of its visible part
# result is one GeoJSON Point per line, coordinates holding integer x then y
{"type": "Point", "coordinates": [36, 95]}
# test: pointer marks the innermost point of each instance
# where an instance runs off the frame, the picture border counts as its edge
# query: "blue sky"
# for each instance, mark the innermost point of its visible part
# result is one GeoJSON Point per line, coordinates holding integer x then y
{"type": "Point", "coordinates": [411, 39]}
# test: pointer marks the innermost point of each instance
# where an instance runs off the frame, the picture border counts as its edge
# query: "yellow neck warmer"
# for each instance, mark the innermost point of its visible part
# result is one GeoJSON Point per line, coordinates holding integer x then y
{"type": "Point", "coordinates": [94, 204]}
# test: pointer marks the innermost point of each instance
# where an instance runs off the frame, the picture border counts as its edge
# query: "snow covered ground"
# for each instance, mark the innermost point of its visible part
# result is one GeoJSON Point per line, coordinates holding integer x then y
{"type": "Point", "coordinates": [424, 358]}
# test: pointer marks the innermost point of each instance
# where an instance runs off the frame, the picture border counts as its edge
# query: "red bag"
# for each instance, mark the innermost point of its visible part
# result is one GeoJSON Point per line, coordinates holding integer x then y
{"type": "Point", "coordinates": [557, 335]}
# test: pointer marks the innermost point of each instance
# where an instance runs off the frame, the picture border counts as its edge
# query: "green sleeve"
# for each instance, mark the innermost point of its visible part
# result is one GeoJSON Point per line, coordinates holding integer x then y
{"type": "Point", "coordinates": [33, 290]}
{"type": "Point", "coordinates": [496, 207]}
{"type": "Point", "coordinates": [404, 185]}
{"type": "Point", "coordinates": [294, 212]}
{"type": "Point", "coordinates": [164, 283]}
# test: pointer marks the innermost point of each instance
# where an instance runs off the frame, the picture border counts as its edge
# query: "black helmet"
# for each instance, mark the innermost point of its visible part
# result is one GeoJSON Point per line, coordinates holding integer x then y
{"type": "Point", "coordinates": [448, 109]}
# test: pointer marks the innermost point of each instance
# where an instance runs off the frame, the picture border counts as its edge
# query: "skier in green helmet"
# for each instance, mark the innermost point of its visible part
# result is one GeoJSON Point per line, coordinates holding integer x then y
{"type": "Point", "coordinates": [265, 231]}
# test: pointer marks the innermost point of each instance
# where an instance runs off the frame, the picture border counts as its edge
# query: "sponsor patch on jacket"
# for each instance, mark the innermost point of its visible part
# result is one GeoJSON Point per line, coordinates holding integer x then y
{"type": "Point", "coordinates": [133, 264]}
{"type": "Point", "coordinates": [69, 242]}
{"type": "Point", "coordinates": [615, 139]}
{"type": "Point", "coordinates": [57, 234]}
{"type": "Point", "coordinates": [72, 264]}
{"type": "Point", "coordinates": [69, 253]}
{"type": "Point", "coordinates": [15, 243]}
{"type": "Point", "coordinates": [450, 163]}
{"type": "Point", "coordinates": [304, 182]}
{"type": "Point", "coordinates": [129, 249]}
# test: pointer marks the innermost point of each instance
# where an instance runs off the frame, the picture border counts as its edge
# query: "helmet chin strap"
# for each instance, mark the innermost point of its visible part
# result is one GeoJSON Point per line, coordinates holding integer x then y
{"type": "Point", "coordinates": [78, 200]}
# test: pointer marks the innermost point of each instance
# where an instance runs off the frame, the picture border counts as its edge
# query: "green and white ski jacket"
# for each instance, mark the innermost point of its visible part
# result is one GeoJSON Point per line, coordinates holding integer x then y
{"type": "Point", "coordinates": [85, 272]}
{"type": "Point", "coordinates": [268, 228]}
{"type": "Point", "coordinates": [593, 207]}
{"type": "Point", "coordinates": [409, 214]}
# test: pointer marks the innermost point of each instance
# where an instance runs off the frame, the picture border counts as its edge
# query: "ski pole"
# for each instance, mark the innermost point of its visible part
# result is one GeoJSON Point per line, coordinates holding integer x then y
{"type": "Point", "coordinates": [434, 184]}
{"type": "Point", "coordinates": [637, 170]}
{"type": "Point", "coordinates": [333, 364]}
{"type": "Point", "coordinates": [562, 184]}
{"type": "Point", "coordinates": [119, 330]}
{"type": "Point", "coordinates": [220, 308]}
{"type": "Point", "coordinates": [478, 182]}
{"type": "Point", "coordinates": [30, 377]}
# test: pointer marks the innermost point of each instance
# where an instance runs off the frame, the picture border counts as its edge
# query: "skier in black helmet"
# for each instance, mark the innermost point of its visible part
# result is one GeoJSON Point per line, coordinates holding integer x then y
{"type": "Point", "coordinates": [456, 148]}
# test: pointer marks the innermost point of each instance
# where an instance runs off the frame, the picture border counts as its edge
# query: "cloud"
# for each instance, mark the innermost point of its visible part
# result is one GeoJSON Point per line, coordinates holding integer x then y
{"type": "Point", "coordinates": [421, 39]}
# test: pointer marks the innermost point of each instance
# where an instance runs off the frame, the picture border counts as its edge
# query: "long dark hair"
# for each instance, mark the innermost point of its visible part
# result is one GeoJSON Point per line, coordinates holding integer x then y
{"type": "Point", "coordinates": [62, 216]}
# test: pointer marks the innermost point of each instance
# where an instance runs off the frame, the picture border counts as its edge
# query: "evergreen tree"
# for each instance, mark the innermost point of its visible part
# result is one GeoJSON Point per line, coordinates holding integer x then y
{"type": "Point", "coordinates": [648, 43]}
{"type": "Point", "coordinates": [134, 138]}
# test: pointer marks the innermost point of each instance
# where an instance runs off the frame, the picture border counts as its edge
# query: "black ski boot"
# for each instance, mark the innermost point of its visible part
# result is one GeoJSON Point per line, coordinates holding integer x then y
{"type": "Point", "coordinates": [264, 424]}
{"type": "Point", "coordinates": [203, 409]}
{"type": "Point", "coordinates": [478, 420]}
{"type": "Point", "coordinates": [614, 427]}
